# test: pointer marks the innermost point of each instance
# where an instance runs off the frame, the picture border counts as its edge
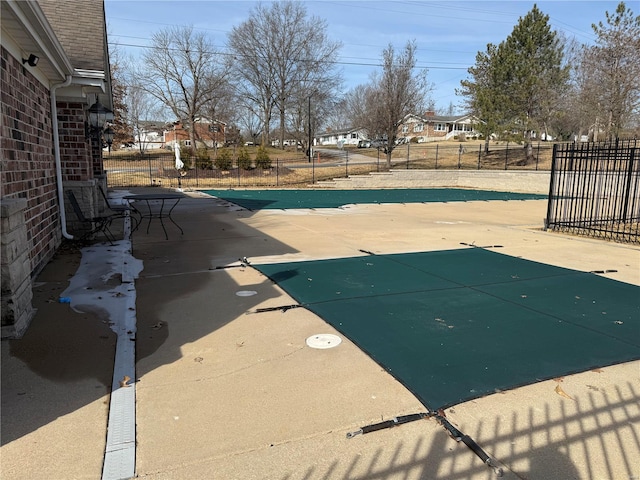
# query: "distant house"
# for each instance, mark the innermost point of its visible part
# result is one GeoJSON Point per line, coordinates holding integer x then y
{"type": "Point", "coordinates": [350, 136]}
{"type": "Point", "coordinates": [149, 135]}
{"type": "Point", "coordinates": [431, 127]}
{"type": "Point", "coordinates": [55, 65]}
{"type": "Point", "coordinates": [208, 133]}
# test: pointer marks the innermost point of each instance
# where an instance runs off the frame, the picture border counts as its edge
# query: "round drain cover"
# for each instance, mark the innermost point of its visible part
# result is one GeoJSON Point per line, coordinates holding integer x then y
{"type": "Point", "coordinates": [324, 340]}
{"type": "Point", "coordinates": [246, 293]}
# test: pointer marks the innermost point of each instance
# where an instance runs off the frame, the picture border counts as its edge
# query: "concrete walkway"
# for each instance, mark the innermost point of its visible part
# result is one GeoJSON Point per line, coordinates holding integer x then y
{"type": "Point", "coordinates": [228, 393]}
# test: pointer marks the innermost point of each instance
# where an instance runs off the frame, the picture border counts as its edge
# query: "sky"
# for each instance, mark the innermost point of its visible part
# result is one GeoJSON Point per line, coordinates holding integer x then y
{"type": "Point", "coordinates": [448, 34]}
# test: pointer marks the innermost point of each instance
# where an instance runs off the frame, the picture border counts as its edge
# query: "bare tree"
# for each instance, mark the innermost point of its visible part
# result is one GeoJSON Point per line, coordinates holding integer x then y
{"type": "Point", "coordinates": [183, 71]}
{"type": "Point", "coordinates": [393, 94]}
{"type": "Point", "coordinates": [615, 64]}
{"type": "Point", "coordinates": [142, 110]}
{"type": "Point", "coordinates": [355, 106]}
{"type": "Point", "coordinates": [221, 104]}
{"type": "Point", "coordinates": [250, 122]}
{"type": "Point", "coordinates": [577, 104]}
{"type": "Point", "coordinates": [309, 110]}
{"type": "Point", "coordinates": [282, 57]}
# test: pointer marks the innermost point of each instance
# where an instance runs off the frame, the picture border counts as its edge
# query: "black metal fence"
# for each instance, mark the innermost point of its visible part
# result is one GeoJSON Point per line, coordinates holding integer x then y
{"type": "Point", "coordinates": [595, 190]}
{"type": "Point", "coordinates": [157, 168]}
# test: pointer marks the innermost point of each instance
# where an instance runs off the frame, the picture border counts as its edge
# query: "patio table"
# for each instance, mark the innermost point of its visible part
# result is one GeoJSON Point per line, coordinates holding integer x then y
{"type": "Point", "coordinates": [158, 206]}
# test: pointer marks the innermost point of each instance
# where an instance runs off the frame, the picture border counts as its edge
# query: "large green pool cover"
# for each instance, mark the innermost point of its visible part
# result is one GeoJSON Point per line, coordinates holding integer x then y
{"type": "Point", "coordinates": [284, 199]}
{"type": "Point", "coordinates": [460, 324]}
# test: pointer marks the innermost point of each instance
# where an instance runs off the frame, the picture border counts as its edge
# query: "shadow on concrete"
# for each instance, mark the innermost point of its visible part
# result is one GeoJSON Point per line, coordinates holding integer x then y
{"type": "Point", "coordinates": [534, 444]}
{"type": "Point", "coordinates": [65, 359]}
{"type": "Point", "coordinates": [181, 276]}
{"type": "Point", "coordinates": [62, 363]}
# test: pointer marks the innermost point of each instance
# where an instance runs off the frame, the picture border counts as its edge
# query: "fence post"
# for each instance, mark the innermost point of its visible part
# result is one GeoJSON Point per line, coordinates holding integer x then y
{"type": "Point", "coordinates": [506, 156]}
{"type": "Point", "coordinates": [238, 175]}
{"type": "Point", "coordinates": [538, 156]}
{"type": "Point", "coordinates": [437, 157]}
{"type": "Point", "coordinates": [277, 172]}
{"type": "Point", "coordinates": [627, 196]}
{"type": "Point", "coordinates": [150, 174]}
{"type": "Point", "coordinates": [552, 184]}
{"type": "Point", "coordinates": [479, 155]}
{"type": "Point", "coordinates": [346, 165]}
{"type": "Point", "coordinates": [407, 155]}
{"type": "Point", "coordinates": [195, 161]}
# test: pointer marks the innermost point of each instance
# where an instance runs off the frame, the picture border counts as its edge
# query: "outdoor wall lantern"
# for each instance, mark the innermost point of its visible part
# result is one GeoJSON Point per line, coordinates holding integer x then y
{"type": "Point", "coordinates": [32, 60]}
{"type": "Point", "coordinates": [99, 117]}
{"type": "Point", "coordinates": [107, 134]}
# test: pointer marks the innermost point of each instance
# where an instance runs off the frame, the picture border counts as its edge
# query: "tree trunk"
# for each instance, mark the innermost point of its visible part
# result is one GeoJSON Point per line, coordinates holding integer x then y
{"type": "Point", "coordinates": [282, 124]}
{"type": "Point", "coordinates": [486, 145]}
{"type": "Point", "coordinates": [265, 126]}
{"type": "Point", "coordinates": [192, 139]}
{"type": "Point", "coordinates": [528, 148]}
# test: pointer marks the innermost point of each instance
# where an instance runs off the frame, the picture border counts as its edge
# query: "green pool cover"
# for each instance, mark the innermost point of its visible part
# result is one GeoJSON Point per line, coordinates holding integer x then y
{"type": "Point", "coordinates": [460, 324]}
{"type": "Point", "coordinates": [288, 199]}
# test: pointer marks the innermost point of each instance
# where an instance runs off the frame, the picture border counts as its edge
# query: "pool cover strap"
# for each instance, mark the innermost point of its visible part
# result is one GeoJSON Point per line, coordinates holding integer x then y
{"type": "Point", "coordinates": [456, 434]}
{"type": "Point", "coordinates": [389, 423]}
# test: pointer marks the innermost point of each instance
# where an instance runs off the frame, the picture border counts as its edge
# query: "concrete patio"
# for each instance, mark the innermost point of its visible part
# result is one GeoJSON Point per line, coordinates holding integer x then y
{"type": "Point", "coordinates": [225, 392]}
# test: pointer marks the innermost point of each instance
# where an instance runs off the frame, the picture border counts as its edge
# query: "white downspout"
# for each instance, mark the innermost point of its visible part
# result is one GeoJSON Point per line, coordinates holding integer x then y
{"type": "Point", "coordinates": [56, 150]}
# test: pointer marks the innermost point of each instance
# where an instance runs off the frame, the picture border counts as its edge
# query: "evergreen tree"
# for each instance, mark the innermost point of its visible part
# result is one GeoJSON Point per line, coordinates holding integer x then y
{"type": "Point", "coordinates": [515, 85]}
{"type": "Point", "coordinates": [484, 93]}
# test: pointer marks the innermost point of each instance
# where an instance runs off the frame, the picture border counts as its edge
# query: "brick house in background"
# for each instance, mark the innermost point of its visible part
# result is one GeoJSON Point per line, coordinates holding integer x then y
{"type": "Point", "coordinates": [431, 127]}
{"type": "Point", "coordinates": [54, 66]}
{"type": "Point", "coordinates": [208, 133]}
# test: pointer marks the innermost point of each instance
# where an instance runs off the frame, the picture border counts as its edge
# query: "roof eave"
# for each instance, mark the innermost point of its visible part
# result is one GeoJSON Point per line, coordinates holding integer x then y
{"type": "Point", "coordinates": [42, 37]}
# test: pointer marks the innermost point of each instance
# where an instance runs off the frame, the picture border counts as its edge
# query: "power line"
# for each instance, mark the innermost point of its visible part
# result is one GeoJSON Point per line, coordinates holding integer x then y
{"type": "Point", "coordinates": [330, 62]}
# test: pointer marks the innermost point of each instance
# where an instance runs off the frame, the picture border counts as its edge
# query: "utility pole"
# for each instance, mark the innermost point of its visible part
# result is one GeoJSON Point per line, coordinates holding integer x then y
{"type": "Point", "coordinates": [310, 136]}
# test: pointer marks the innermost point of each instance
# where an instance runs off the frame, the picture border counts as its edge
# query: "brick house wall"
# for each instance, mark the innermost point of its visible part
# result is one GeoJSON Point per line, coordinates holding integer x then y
{"type": "Point", "coordinates": [428, 129]}
{"type": "Point", "coordinates": [209, 133]}
{"type": "Point", "coordinates": [26, 153]}
{"type": "Point", "coordinates": [75, 149]}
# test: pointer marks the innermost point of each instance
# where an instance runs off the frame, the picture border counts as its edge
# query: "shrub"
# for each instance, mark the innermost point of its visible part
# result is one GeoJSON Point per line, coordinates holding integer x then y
{"type": "Point", "coordinates": [202, 159]}
{"type": "Point", "coordinates": [244, 160]}
{"type": "Point", "coordinates": [223, 160]}
{"type": "Point", "coordinates": [262, 158]}
{"type": "Point", "coordinates": [185, 155]}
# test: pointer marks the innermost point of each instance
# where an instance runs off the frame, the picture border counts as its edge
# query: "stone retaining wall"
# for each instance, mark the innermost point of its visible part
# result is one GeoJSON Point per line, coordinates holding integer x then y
{"type": "Point", "coordinates": [521, 181]}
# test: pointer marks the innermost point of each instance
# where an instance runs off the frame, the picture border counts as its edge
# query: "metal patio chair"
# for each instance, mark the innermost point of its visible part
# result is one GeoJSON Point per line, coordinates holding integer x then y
{"type": "Point", "coordinates": [99, 224]}
{"type": "Point", "coordinates": [121, 210]}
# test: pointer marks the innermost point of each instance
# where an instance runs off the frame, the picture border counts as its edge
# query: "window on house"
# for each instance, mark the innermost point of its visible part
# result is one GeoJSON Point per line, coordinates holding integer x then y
{"type": "Point", "coordinates": [440, 127]}
{"type": "Point", "coordinates": [405, 129]}
{"type": "Point", "coordinates": [187, 143]}
{"type": "Point", "coordinates": [418, 127]}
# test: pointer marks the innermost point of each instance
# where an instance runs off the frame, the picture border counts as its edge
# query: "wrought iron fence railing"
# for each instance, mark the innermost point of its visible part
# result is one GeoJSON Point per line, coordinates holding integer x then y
{"type": "Point", "coordinates": [157, 168]}
{"type": "Point", "coordinates": [595, 190]}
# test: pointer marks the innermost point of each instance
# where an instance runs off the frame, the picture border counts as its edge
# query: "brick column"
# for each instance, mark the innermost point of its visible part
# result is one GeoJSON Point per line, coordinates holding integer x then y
{"type": "Point", "coordinates": [15, 268]}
